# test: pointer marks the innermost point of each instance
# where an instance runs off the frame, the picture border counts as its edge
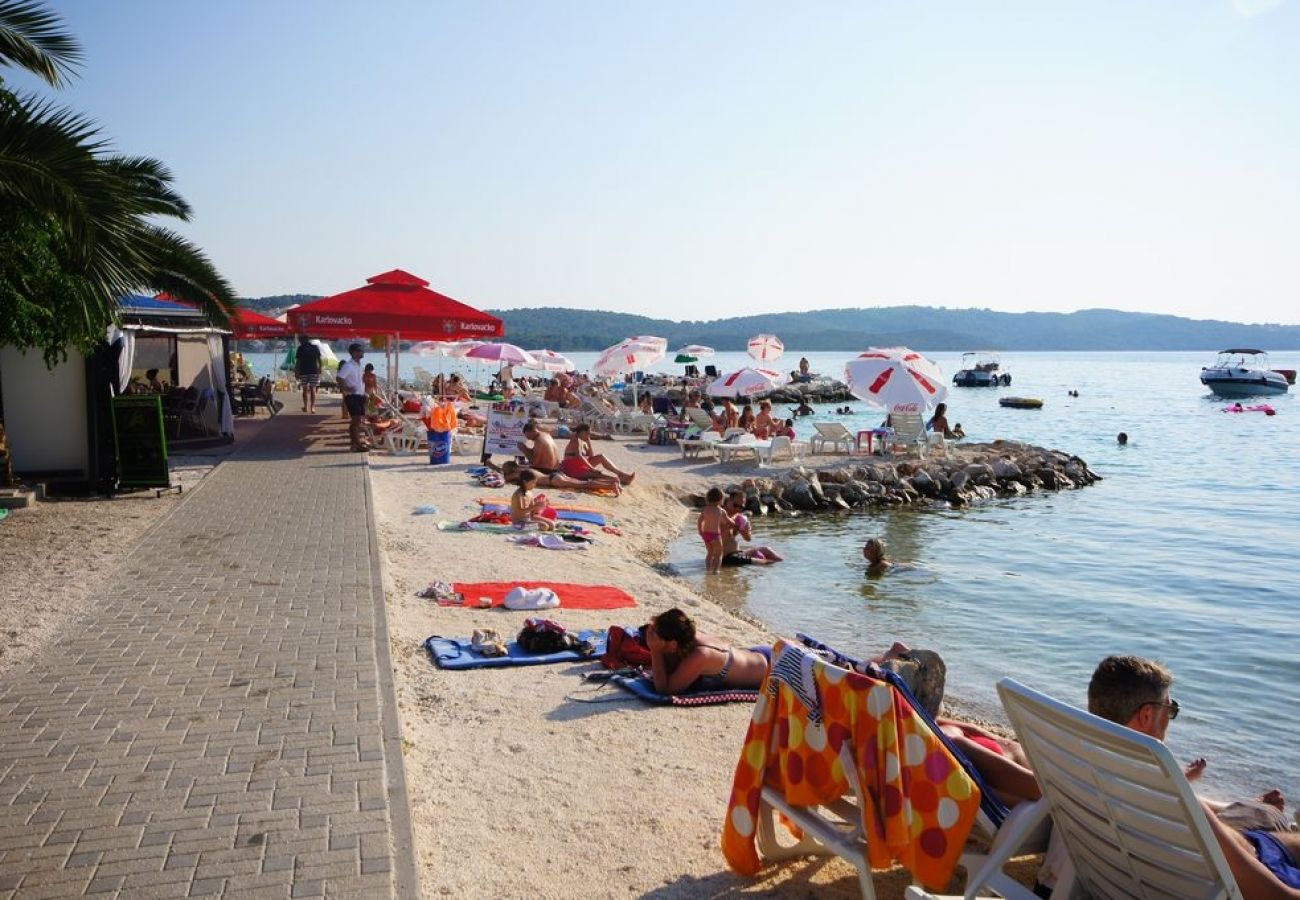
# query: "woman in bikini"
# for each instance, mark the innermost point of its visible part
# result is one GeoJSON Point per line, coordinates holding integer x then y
{"type": "Point", "coordinates": [581, 461]}
{"type": "Point", "coordinates": [510, 472]}
{"type": "Point", "coordinates": [682, 660]}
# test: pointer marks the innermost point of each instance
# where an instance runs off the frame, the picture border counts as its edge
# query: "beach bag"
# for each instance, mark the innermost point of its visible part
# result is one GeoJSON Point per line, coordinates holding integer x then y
{"type": "Point", "coordinates": [624, 648]}
{"type": "Point", "coordinates": [544, 636]}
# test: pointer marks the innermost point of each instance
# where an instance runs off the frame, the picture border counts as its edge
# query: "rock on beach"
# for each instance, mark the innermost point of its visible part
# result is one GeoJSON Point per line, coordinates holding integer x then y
{"type": "Point", "coordinates": [980, 472]}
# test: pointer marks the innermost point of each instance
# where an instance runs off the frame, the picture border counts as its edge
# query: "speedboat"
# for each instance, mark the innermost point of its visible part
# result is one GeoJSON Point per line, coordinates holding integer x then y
{"type": "Point", "coordinates": [1243, 373]}
{"type": "Point", "coordinates": [981, 368]}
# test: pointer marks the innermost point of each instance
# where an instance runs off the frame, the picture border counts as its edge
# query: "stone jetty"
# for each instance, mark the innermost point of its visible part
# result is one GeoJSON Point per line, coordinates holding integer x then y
{"type": "Point", "coordinates": [967, 474]}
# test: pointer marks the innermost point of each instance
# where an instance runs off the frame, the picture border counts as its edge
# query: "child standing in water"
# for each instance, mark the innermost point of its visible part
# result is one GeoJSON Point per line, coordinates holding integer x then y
{"type": "Point", "coordinates": [525, 509]}
{"type": "Point", "coordinates": [713, 519]}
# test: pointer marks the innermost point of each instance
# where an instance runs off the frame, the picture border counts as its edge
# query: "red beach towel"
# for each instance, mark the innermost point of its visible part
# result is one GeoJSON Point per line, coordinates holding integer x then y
{"type": "Point", "coordinates": [572, 596]}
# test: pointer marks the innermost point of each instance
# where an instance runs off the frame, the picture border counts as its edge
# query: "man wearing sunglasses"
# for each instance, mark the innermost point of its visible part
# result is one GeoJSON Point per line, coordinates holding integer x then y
{"type": "Point", "coordinates": [1263, 855]}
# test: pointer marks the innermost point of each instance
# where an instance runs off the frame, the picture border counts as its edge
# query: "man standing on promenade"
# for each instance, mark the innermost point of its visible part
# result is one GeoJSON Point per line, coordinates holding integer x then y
{"type": "Point", "coordinates": [1134, 692]}
{"type": "Point", "coordinates": [354, 396]}
{"type": "Point", "coordinates": [541, 454]}
{"type": "Point", "coordinates": [306, 366]}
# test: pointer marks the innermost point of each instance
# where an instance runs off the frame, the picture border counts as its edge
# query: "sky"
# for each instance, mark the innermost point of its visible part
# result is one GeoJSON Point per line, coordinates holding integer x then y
{"type": "Point", "coordinates": [693, 160]}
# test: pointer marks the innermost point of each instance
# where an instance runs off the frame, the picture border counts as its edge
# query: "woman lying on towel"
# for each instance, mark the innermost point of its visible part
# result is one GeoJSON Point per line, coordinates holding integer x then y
{"type": "Point", "coordinates": [683, 661]}
{"type": "Point", "coordinates": [510, 472]}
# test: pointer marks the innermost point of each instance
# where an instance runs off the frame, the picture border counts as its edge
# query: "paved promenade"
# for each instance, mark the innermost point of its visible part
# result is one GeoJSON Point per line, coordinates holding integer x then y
{"type": "Point", "coordinates": [224, 723]}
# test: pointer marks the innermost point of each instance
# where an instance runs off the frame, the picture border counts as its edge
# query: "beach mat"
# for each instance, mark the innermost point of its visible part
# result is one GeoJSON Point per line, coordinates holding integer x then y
{"type": "Point", "coordinates": [572, 596]}
{"type": "Point", "coordinates": [644, 688]}
{"type": "Point", "coordinates": [563, 513]}
{"type": "Point", "coordinates": [456, 653]}
{"type": "Point", "coordinates": [494, 528]}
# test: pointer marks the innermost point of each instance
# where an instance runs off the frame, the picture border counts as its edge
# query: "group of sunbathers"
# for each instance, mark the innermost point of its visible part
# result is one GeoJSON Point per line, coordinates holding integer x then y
{"type": "Point", "coordinates": [1255, 836]}
{"type": "Point", "coordinates": [580, 468]}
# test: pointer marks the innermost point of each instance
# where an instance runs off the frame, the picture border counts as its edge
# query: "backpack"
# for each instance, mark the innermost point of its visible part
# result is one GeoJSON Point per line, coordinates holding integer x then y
{"type": "Point", "coordinates": [625, 648]}
{"type": "Point", "coordinates": [544, 636]}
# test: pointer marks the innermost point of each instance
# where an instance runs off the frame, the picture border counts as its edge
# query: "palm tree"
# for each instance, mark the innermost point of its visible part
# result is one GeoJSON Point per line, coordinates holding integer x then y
{"type": "Point", "coordinates": [89, 209]}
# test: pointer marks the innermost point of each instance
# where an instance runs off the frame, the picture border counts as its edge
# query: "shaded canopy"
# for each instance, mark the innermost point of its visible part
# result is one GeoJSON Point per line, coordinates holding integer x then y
{"type": "Point", "coordinates": [394, 302]}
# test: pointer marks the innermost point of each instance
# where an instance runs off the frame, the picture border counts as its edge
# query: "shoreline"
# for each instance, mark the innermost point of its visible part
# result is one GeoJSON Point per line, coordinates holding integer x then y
{"type": "Point", "coordinates": [517, 785]}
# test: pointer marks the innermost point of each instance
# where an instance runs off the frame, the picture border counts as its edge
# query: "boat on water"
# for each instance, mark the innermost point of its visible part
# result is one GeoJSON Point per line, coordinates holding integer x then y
{"type": "Point", "coordinates": [1245, 373]}
{"type": "Point", "coordinates": [981, 368]}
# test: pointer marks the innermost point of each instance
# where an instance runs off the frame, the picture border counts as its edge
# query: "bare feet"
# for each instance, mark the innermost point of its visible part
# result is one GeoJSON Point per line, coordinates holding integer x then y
{"type": "Point", "coordinates": [1195, 769]}
{"type": "Point", "coordinates": [627, 479]}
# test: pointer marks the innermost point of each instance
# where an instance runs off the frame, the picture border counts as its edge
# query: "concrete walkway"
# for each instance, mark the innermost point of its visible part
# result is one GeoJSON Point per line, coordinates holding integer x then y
{"type": "Point", "coordinates": [225, 722]}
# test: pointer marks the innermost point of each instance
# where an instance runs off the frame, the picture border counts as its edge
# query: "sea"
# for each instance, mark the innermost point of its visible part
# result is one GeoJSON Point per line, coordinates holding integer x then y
{"type": "Point", "coordinates": [1186, 551]}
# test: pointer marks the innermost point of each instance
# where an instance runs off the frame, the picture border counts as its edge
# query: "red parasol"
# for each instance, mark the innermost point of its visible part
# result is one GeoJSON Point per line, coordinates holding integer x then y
{"type": "Point", "coordinates": [394, 302]}
{"type": "Point", "coordinates": [249, 325]}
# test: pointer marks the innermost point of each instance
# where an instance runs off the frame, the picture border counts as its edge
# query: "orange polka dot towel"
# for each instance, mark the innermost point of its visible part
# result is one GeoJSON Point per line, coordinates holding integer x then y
{"type": "Point", "coordinates": [919, 804]}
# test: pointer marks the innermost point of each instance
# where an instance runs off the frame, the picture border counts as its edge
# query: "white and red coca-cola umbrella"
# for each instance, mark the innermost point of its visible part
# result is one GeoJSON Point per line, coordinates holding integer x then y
{"type": "Point", "coordinates": [895, 376]}
{"type": "Point", "coordinates": [550, 361]}
{"type": "Point", "coordinates": [506, 354]}
{"type": "Point", "coordinates": [747, 382]}
{"type": "Point", "coordinates": [766, 347]}
{"type": "Point", "coordinates": [630, 355]}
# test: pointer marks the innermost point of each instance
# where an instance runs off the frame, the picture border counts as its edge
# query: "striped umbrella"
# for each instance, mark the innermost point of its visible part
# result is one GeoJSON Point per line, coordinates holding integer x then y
{"type": "Point", "coordinates": [766, 347]}
{"type": "Point", "coordinates": [895, 376]}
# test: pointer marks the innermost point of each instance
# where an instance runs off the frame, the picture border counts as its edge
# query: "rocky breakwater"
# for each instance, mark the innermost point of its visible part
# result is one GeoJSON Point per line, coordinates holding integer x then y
{"type": "Point", "coordinates": [973, 474]}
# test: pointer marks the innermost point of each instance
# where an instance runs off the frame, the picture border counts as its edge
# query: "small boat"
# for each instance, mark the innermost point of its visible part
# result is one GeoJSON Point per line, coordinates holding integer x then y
{"type": "Point", "coordinates": [981, 368]}
{"type": "Point", "coordinates": [1243, 373]}
{"type": "Point", "coordinates": [1021, 402]}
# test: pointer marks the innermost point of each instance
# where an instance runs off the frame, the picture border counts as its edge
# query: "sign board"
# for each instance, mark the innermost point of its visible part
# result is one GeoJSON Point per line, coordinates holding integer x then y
{"type": "Point", "coordinates": [140, 442]}
{"type": "Point", "coordinates": [505, 428]}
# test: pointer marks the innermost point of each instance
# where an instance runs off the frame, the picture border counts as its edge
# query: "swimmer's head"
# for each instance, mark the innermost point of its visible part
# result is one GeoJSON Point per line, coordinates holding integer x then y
{"type": "Point", "coordinates": [1123, 438]}
{"type": "Point", "coordinates": [874, 551]}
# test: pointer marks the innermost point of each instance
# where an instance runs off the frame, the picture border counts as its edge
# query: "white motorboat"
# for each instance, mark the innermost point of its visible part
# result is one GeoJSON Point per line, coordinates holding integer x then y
{"type": "Point", "coordinates": [1245, 373]}
{"type": "Point", "coordinates": [981, 368]}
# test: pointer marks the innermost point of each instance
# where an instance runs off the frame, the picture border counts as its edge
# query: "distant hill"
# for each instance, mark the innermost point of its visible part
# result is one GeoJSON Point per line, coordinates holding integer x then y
{"type": "Point", "coordinates": [931, 328]}
{"type": "Point", "coordinates": [927, 327]}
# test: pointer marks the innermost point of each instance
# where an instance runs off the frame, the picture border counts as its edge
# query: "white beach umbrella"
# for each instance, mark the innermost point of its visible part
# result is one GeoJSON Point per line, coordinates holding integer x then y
{"type": "Point", "coordinates": [432, 348]}
{"type": "Point", "coordinates": [747, 382]}
{"type": "Point", "coordinates": [550, 361]}
{"type": "Point", "coordinates": [459, 349]}
{"type": "Point", "coordinates": [699, 351]}
{"type": "Point", "coordinates": [630, 355]}
{"type": "Point", "coordinates": [766, 347]}
{"type": "Point", "coordinates": [895, 376]}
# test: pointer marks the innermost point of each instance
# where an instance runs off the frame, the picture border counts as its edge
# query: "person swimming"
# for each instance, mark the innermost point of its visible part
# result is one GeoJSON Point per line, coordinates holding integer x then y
{"type": "Point", "coordinates": [874, 553]}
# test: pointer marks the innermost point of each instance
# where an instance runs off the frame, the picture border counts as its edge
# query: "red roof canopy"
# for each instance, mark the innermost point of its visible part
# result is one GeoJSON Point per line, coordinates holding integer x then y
{"type": "Point", "coordinates": [248, 324]}
{"type": "Point", "coordinates": [395, 302]}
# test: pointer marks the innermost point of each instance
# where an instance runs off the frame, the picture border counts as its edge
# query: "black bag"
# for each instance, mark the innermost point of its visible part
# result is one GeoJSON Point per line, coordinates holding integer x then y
{"type": "Point", "coordinates": [544, 636]}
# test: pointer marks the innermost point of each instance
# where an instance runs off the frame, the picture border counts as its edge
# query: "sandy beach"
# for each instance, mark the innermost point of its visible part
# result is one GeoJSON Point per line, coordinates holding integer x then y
{"type": "Point", "coordinates": [528, 781]}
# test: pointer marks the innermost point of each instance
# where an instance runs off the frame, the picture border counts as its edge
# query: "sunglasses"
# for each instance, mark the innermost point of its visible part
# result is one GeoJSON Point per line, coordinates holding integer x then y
{"type": "Point", "coordinates": [1171, 704]}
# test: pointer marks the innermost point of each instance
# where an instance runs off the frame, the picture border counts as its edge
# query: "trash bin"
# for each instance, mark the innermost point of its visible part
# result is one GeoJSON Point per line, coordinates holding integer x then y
{"type": "Point", "coordinates": [439, 447]}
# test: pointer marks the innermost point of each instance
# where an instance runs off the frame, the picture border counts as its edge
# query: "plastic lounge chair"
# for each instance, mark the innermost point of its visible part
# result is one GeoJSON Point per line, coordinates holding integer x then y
{"type": "Point", "coordinates": [706, 444]}
{"type": "Point", "coordinates": [699, 417]}
{"type": "Point", "coordinates": [746, 446]}
{"type": "Point", "coordinates": [1119, 802]}
{"type": "Point", "coordinates": [1010, 832]}
{"type": "Point", "coordinates": [836, 828]}
{"type": "Point", "coordinates": [781, 447]}
{"type": "Point", "coordinates": [833, 434]}
{"type": "Point", "coordinates": [910, 433]}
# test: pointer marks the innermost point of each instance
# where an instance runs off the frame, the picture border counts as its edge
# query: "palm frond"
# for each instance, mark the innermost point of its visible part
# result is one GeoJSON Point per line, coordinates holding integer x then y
{"type": "Point", "coordinates": [32, 38]}
{"type": "Point", "coordinates": [184, 271]}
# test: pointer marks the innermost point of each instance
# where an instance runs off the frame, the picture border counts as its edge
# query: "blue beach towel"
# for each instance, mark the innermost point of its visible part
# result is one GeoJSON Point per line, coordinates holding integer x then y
{"type": "Point", "coordinates": [644, 688]}
{"type": "Point", "coordinates": [455, 653]}
{"type": "Point", "coordinates": [567, 515]}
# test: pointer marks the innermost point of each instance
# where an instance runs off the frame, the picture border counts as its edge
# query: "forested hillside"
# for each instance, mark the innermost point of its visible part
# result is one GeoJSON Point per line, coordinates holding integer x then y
{"type": "Point", "coordinates": [931, 328]}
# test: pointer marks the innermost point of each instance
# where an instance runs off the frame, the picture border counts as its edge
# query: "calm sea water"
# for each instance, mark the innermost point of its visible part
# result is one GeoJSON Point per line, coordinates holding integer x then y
{"type": "Point", "coordinates": [1186, 551]}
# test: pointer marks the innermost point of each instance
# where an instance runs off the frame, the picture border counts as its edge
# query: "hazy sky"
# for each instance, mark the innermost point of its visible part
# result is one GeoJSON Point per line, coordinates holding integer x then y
{"type": "Point", "coordinates": [706, 159]}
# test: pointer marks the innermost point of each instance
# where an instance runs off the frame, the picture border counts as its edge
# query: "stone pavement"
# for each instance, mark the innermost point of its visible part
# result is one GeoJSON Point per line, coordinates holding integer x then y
{"type": "Point", "coordinates": [225, 722]}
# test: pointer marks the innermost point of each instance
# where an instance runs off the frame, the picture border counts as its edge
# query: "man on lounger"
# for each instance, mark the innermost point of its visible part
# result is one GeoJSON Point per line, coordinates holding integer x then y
{"type": "Point", "coordinates": [1134, 692]}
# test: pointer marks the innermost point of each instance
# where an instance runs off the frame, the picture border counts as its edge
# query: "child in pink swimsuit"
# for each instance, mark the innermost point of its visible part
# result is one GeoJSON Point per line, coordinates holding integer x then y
{"type": "Point", "coordinates": [713, 518]}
